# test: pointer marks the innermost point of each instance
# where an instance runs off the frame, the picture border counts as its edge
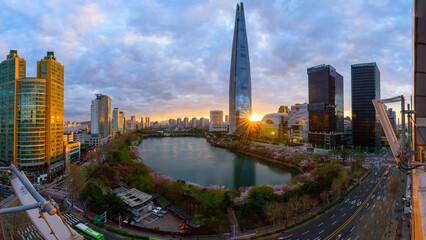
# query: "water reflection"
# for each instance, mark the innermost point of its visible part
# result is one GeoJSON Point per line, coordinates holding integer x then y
{"type": "Point", "coordinates": [193, 159]}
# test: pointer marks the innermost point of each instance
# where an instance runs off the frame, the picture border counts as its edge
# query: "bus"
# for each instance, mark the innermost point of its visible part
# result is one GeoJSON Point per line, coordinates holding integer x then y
{"type": "Point", "coordinates": [87, 232]}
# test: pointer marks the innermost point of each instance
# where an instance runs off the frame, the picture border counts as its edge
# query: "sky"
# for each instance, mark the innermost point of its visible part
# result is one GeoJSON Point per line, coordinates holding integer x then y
{"type": "Point", "coordinates": [169, 59]}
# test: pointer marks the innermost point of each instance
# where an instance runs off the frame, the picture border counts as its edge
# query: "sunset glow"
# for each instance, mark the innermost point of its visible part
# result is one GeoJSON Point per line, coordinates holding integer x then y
{"type": "Point", "coordinates": [255, 118]}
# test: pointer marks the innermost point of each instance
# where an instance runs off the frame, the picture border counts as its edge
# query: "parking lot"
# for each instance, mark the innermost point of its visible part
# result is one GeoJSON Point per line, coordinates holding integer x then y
{"type": "Point", "coordinates": [168, 222]}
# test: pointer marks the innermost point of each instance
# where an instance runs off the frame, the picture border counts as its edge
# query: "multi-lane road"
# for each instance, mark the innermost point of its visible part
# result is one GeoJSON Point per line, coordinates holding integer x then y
{"type": "Point", "coordinates": [340, 221]}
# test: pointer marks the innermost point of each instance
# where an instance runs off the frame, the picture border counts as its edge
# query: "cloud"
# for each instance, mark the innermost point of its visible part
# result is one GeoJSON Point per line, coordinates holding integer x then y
{"type": "Point", "coordinates": [172, 58]}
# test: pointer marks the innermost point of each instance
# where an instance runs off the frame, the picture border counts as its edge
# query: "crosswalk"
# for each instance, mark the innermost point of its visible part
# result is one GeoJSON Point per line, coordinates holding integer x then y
{"type": "Point", "coordinates": [72, 219]}
{"type": "Point", "coordinates": [57, 193]}
{"type": "Point", "coordinates": [28, 233]}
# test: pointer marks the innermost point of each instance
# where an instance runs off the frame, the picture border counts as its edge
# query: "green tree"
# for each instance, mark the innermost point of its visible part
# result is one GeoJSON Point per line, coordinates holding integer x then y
{"type": "Point", "coordinates": [298, 157]}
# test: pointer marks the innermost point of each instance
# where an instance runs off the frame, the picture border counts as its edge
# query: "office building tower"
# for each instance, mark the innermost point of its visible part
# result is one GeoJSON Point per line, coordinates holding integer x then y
{"type": "Point", "coordinates": [101, 120]}
{"type": "Point", "coordinates": [147, 122]}
{"type": "Point", "coordinates": [142, 123]}
{"type": "Point", "coordinates": [116, 124]}
{"type": "Point", "coordinates": [186, 122]}
{"type": "Point", "coordinates": [32, 115]}
{"type": "Point", "coordinates": [226, 118]}
{"type": "Point", "coordinates": [366, 128]}
{"type": "Point", "coordinates": [179, 123]}
{"type": "Point", "coordinates": [239, 80]}
{"type": "Point", "coordinates": [392, 118]}
{"type": "Point", "coordinates": [326, 125]}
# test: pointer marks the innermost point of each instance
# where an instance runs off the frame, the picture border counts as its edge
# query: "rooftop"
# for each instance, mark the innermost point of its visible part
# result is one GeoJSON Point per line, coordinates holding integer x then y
{"type": "Point", "coordinates": [134, 197]}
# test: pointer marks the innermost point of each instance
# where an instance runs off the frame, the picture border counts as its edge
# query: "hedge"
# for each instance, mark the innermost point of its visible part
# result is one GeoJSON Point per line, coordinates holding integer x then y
{"type": "Point", "coordinates": [126, 233]}
{"type": "Point", "coordinates": [100, 224]}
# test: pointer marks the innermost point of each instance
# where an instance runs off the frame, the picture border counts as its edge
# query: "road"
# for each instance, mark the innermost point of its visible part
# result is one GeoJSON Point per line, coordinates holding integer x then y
{"type": "Point", "coordinates": [339, 222]}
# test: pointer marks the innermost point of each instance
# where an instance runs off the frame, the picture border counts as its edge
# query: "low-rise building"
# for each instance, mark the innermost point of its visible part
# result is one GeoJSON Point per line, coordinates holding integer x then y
{"type": "Point", "coordinates": [72, 152]}
{"type": "Point", "coordinates": [68, 137]}
{"type": "Point", "coordinates": [138, 201]}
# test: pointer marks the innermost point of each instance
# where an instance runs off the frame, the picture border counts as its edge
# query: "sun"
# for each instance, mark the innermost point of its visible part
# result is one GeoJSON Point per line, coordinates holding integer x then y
{"type": "Point", "coordinates": [255, 118]}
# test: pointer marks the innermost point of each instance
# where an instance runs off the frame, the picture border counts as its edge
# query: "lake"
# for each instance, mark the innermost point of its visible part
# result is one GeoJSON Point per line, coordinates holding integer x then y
{"type": "Point", "coordinates": [195, 160]}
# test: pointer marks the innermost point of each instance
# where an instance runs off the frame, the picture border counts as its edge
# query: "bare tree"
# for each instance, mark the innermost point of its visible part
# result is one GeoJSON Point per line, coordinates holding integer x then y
{"type": "Point", "coordinates": [275, 211]}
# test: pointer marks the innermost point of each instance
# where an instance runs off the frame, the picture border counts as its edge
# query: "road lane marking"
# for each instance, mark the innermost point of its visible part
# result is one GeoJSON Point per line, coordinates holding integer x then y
{"type": "Point", "coordinates": [320, 224]}
{"type": "Point", "coordinates": [305, 232]}
{"type": "Point", "coordinates": [357, 211]}
{"type": "Point", "coordinates": [344, 214]}
{"type": "Point", "coordinates": [321, 232]}
{"type": "Point", "coordinates": [334, 222]}
{"type": "Point", "coordinates": [352, 229]}
{"type": "Point", "coordinates": [333, 215]}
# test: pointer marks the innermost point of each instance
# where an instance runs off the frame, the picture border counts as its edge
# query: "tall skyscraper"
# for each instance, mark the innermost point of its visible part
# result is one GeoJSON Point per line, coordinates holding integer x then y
{"type": "Point", "coordinates": [101, 120]}
{"type": "Point", "coordinates": [240, 80]}
{"type": "Point", "coordinates": [51, 70]}
{"type": "Point", "coordinates": [116, 125]}
{"type": "Point", "coordinates": [326, 125]}
{"type": "Point", "coordinates": [142, 123]}
{"type": "Point", "coordinates": [147, 122]}
{"type": "Point", "coordinates": [226, 118]}
{"type": "Point", "coordinates": [366, 128]}
{"type": "Point", "coordinates": [13, 68]}
{"type": "Point", "coordinates": [392, 118]}
{"type": "Point", "coordinates": [32, 115]}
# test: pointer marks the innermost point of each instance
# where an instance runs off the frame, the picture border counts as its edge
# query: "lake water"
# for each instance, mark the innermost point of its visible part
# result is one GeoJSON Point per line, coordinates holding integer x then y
{"type": "Point", "coordinates": [195, 160]}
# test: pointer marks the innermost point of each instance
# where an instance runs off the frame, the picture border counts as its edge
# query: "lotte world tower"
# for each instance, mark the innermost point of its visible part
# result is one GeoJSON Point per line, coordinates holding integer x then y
{"type": "Point", "coordinates": [240, 80]}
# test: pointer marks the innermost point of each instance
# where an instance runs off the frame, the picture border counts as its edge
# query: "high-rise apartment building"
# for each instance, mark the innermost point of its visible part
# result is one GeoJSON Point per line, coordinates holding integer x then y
{"type": "Point", "coordinates": [172, 123]}
{"type": "Point", "coordinates": [392, 118]}
{"type": "Point", "coordinates": [125, 124]}
{"type": "Point", "coordinates": [366, 128]}
{"type": "Point", "coordinates": [226, 118]}
{"type": "Point", "coordinates": [116, 125]}
{"type": "Point", "coordinates": [101, 120]}
{"type": "Point", "coordinates": [298, 123]}
{"type": "Point", "coordinates": [185, 123]}
{"type": "Point", "coordinates": [147, 122]}
{"type": "Point", "coordinates": [32, 115]}
{"type": "Point", "coordinates": [326, 125]}
{"type": "Point", "coordinates": [216, 121]}
{"type": "Point", "coordinates": [179, 123]}
{"type": "Point", "coordinates": [122, 121]}
{"type": "Point", "coordinates": [194, 122]}
{"type": "Point", "coordinates": [239, 80]}
{"type": "Point", "coordinates": [142, 123]}
{"type": "Point", "coordinates": [133, 122]}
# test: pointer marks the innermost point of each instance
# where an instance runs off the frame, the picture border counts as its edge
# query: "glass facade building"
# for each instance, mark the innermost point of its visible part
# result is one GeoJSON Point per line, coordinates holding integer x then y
{"type": "Point", "coordinates": [240, 81]}
{"type": "Point", "coordinates": [366, 128]}
{"type": "Point", "coordinates": [31, 115]}
{"type": "Point", "coordinates": [326, 124]}
{"type": "Point", "coordinates": [101, 118]}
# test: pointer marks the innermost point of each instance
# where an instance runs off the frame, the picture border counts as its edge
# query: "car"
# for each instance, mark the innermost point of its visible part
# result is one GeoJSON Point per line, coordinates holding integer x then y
{"type": "Point", "coordinates": [158, 208]}
{"type": "Point", "coordinates": [375, 173]}
{"type": "Point", "coordinates": [407, 204]}
{"type": "Point", "coordinates": [136, 219]}
{"type": "Point", "coordinates": [163, 212]}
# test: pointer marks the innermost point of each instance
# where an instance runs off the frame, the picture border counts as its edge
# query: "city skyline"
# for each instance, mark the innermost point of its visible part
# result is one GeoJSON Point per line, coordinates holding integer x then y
{"type": "Point", "coordinates": [164, 79]}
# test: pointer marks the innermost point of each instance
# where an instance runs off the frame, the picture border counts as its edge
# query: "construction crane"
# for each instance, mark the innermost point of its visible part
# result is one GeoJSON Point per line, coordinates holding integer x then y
{"type": "Point", "coordinates": [44, 214]}
{"type": "Point", "coordinates": [402, 154]}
